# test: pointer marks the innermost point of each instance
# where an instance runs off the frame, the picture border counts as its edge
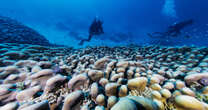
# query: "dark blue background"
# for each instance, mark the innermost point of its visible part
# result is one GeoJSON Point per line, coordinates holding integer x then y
{"type": "Point", "coordinates": [125, 21]}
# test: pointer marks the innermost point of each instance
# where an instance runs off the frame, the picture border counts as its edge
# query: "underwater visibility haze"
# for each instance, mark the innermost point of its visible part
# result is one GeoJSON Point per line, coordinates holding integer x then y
{"type": "Point", "coordinates": [103, 55]}
{"type": "Point", "coordinates": [124, 22]}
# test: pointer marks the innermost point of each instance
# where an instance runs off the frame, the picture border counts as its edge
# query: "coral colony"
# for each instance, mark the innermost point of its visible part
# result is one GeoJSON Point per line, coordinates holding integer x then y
{"type": "Point", "coordinates": [151, 78]}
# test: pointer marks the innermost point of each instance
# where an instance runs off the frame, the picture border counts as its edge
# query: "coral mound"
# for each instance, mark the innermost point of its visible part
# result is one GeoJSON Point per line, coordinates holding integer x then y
{"type": "Point", "coordinates": [103, 78]}
{"type": "Point", "coordinates": [11, 31]}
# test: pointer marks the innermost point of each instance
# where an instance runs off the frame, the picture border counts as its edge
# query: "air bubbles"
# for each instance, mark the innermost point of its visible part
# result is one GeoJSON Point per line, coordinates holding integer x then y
{"type": "Point", "coordinates": [169, 9]}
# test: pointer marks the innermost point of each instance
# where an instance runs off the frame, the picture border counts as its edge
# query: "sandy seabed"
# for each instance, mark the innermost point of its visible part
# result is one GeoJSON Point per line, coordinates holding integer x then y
{"type": "Point", "coordinates": [36, 77]}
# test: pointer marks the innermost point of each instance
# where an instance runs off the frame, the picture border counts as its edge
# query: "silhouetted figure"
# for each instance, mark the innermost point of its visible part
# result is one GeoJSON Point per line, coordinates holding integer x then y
{"type": "Point", "coordinates": [96, 28]}
{"type": "Point", "coordinates": [173, 30]}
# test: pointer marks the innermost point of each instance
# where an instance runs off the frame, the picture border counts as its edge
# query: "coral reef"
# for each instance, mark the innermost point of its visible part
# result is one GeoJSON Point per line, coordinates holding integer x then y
{"type": "Point", "coordinates": [11, 31]}
{"type": "Point", "coordinates": [103, 78]}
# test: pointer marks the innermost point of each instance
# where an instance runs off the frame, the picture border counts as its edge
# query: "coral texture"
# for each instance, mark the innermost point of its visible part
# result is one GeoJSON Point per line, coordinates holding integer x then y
{"type": "Point", "coordinates": [12, 31]}
{"type": "Point", "coordinates": [103, 78]}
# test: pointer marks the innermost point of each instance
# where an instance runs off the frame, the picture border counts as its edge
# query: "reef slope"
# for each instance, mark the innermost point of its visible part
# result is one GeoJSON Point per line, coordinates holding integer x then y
{"type": "Point", "coordinates": [12, 31]}
{"type": "Point", "coordinates": [103, 78]}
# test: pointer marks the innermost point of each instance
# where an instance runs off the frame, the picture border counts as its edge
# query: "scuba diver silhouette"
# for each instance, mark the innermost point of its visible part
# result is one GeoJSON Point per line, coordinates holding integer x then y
{"type": "Point", "coordinates": [96, 28]}
{"type": "Point", "coordinates": [173, 30]}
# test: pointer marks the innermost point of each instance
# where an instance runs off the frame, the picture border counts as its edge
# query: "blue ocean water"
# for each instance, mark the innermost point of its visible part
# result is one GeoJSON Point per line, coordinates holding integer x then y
{"type": "Point", "coordinates": [125, 22]}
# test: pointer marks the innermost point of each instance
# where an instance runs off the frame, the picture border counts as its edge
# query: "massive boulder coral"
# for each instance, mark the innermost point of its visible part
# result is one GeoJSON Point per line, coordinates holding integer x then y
{"type": "Point", "coordinates": [99, 64]}
{"type": "Point", "coordinates": [137, 83]}
{"type": "Point", "coordinates": [10, 106]}
{"type": "Point", "coordinates": [38, 106]}
{"type": "Point", "coordinates": [42, 73]}
{"type": "Point", "coordinates": [95, 75]}
{"type": "Point", "coordinates": [195, 77]}
{"type": "Point", "coordinates": [54, 82]}
{"type": "Point", "coordinates": [7, 93]}
{"type": "Point", "coordinates": [12, 31]}
{"type": "Point", "coordinates": [72, 99]}
{"type": "Point", "coordinates": [135, 103]}
{"type": "Point", "coordinates": [27, 93]}
{"type": "Point", "coordinates": [125, 104]}
{"type": "Point", "coordinates": [78, 82]}
{"type": "Point", "coordinates": [184, 102]}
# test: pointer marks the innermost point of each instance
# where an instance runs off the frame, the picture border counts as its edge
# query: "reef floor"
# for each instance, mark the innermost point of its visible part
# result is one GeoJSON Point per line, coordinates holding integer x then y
{"type": "Point", "coordinates": [34, 77]}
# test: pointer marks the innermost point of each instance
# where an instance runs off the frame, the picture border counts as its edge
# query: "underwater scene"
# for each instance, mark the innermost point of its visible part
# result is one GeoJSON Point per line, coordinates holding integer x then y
{"type": "Point", "coordinates": [104, 55]}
